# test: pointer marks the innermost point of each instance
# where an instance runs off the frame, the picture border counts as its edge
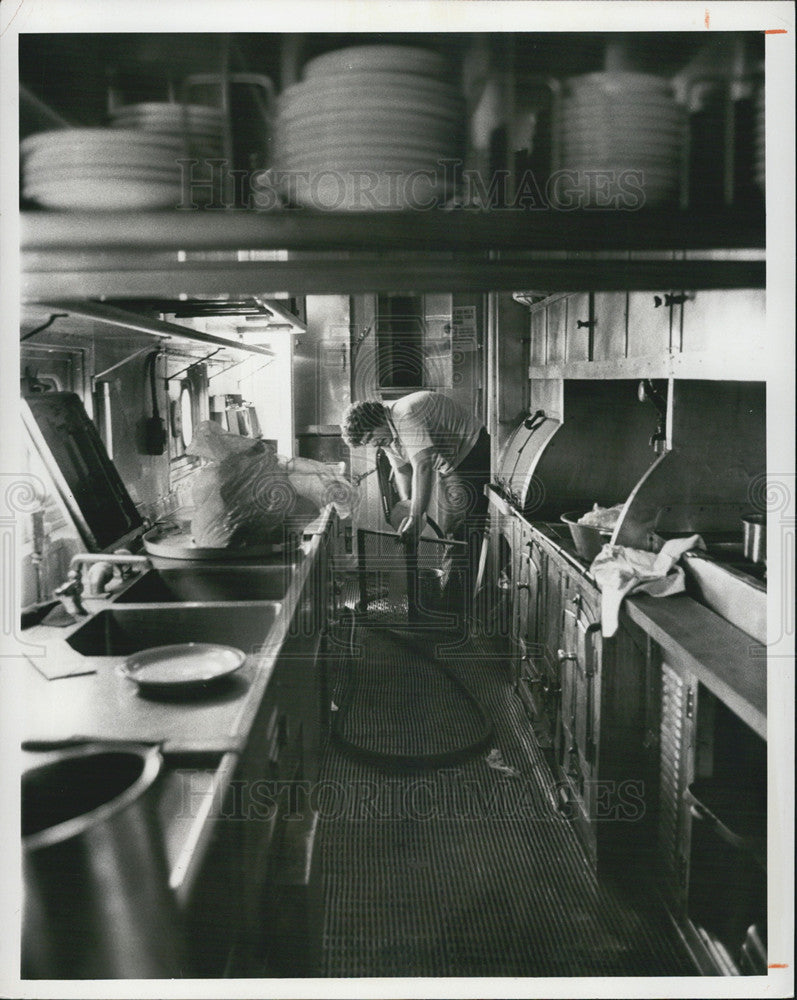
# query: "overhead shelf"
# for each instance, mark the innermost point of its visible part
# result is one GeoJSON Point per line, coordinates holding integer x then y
{"type": "Point", "coordinates": [164, 254]}
{"type": "Point", "coordinates": [462, 230]}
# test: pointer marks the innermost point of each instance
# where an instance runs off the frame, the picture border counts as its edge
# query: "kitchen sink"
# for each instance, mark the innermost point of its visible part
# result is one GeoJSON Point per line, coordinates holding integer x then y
{"type": "Point", "coordinates": [118, 631]}
{"type": "Point", "coordinates": [208, 583]}
{"type": "Point", "coordinates": [730, 585]}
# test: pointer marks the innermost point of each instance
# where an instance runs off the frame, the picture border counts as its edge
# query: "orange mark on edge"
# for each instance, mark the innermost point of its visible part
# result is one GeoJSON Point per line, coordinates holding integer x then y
{"type": "Point", "coordinates": [707, 19]}
{"type": "Point", "coordinates": [778, 965]}
{"type": "Point", "coordinates": [775, 31]}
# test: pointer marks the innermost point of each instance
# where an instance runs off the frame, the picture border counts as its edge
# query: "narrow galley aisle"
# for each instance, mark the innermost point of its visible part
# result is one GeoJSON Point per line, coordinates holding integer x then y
{"type": "Point", "coordinates": [467, 869]}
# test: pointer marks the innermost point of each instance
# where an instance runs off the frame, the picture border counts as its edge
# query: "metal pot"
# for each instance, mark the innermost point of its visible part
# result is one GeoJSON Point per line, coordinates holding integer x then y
{"type": "Point", "coordinates": [754, 527]}
{"type": "Point", "coordinates": [97, 903]}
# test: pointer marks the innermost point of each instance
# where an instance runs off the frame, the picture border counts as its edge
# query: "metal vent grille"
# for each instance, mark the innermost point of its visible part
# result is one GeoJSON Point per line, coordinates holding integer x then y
{"type": "Point", "coordinates": [673, 697]}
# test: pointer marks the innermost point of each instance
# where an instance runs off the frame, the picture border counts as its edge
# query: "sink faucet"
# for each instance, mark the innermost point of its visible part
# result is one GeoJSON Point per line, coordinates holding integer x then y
{"type": "Point", "coordinates": [69, 593]}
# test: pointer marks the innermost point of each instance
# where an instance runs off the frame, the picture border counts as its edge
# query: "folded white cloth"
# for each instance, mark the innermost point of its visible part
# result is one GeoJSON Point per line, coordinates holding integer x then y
{"type": "Point", "coordinates": [619, 571]}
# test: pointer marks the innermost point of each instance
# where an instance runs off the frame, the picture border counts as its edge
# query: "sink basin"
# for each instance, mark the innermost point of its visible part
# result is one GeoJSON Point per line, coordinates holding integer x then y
{"type": "Point", "coordinates": [731, 587]}
{"type": "Point", "coordinates": [119, 631]}
{"type": "Point", "coordinates": [208, 583]}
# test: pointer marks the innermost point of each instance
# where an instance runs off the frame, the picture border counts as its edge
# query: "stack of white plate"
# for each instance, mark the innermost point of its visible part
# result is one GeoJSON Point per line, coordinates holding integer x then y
{"type": "Point", "coordinates": [618, 123]}
{"type": "Point", "coordinates": [366, 130]}
{"type": "Point", "coordinates": [102, 168]}
{"type": "Point", "coordinates": [200, 127]}
{"type": "Point", "coordinates": [759, 161]}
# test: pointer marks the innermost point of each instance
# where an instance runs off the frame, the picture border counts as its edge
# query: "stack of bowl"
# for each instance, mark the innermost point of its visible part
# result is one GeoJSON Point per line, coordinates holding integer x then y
{"type": "Point", "coordinates": [367, 129]}
{"type": "Point", "coordinates": [101, 168]}
{"type": "Point", "coordinates": [621, 138]}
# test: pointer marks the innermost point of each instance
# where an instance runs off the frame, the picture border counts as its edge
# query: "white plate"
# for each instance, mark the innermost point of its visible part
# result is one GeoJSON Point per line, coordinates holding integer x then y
{"type": "Point", "coordinates": [342, 162]}
{"type": "Point", "coordinates": [167, 109]}
{"type": "Point", "coordinates": [369, 99]}
{"type": "Point", "coordinates": [620, 113]}
{"type": "Point", "coordinates": [176, 129]}
{"type": "Point", "coordinates": [100, 172]}
{"type": "Point", "coordinates": [315, 143]}
{"type": "Point", "coordinates": [323, 192]}
{"type": "Point", "coordinates": [398, 58]}
{"type": "Point", "coordinates": [627, 145]}
{"type": "Point", "coordinates": [104, 195]}
{"type": "Point", "coordinates": [619, 82]}
{"type": "Point", "coordinates": [619, 151]}
{"type": "Point", "coordinates": [93, 138]}
{"type": "Point", "coordinates": [182, 665]}
{"type": "Point", "coordinates": [652, 171]}
{"type": "Point", "coordinates": [610, 122]}
{"type": "Point", "coordinates": [378, 79]}
{"type": "Point", "coordinates": [142, 157]}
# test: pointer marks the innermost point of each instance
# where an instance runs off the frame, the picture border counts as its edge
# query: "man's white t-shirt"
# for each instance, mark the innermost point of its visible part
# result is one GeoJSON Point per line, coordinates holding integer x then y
{"type": "Point", "coordinates": [430, 423]}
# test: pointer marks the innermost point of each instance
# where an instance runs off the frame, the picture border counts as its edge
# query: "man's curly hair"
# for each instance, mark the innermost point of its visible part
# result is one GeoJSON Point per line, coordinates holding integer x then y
{"type": "Point", "coordinates": [359, 419]}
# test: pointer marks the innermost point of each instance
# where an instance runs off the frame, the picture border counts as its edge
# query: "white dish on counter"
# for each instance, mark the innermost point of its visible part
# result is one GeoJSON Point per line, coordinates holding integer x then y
{"type": "Point", "coordinates": [184, 665]}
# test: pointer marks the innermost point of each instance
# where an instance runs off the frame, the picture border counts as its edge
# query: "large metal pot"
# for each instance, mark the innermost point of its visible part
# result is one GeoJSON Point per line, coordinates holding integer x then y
{"type": "Point", "coordinates": [97, 902]}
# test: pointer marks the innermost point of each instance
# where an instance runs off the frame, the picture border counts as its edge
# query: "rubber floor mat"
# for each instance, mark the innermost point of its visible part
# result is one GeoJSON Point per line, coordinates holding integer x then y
{"type": "Point", "coordinates": [395, 700]}
{"type": "Point", "coordinates": [469, 870]}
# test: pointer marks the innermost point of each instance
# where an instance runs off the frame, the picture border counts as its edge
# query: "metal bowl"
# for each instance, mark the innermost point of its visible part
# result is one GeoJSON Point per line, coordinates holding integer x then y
{"type": "Point", "coordinates": [587, 540]}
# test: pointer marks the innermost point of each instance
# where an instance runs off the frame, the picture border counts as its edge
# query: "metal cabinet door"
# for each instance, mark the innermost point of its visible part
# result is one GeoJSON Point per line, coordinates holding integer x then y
{"type": "Point", "coordinates": [610, 315]}
{"type": "Point", "coordinates": [539, 334]}
{"type": "Point", "coordinates": [557, 331]}
{"type": "Point", "coordinates": [727, 323]}
{"type": "Point", "coordinates": [580, 666]}
{"type": "Point", "coordinates": [580, 325]}
{"type": "Point", "coordinates": [532, 677]}
{"type": "Point", "coordinates": [649, 322]}
{"type": "Point", "coordinates": [677, 750]}
{"type": "Point", "coordinates": [520, 599]}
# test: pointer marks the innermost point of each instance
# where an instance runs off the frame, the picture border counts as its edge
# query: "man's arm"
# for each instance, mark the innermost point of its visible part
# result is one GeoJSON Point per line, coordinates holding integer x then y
{"type": "Point", "coordinates": [421, 487]}
{"type": "Point", "coordinates": [402, 477]}
{"type": "Point", "coordinates": [422, 477]}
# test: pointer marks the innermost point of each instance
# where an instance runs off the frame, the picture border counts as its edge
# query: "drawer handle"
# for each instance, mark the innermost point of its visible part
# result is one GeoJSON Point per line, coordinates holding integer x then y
{"type": "Point", "coordinates": [562, 656]}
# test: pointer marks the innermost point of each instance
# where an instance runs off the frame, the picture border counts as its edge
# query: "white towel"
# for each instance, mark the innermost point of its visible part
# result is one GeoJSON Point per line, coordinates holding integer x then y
{"type": "Point", "coordinates": [619, 571]}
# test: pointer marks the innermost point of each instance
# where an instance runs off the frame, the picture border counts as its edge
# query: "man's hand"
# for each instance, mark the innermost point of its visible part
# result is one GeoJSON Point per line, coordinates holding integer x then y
{"type": "Point", "coordinates": [409, 531]}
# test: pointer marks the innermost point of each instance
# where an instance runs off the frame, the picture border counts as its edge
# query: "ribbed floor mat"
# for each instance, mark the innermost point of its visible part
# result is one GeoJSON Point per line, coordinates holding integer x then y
{"type": "Point", "coordinates": [468, 871]}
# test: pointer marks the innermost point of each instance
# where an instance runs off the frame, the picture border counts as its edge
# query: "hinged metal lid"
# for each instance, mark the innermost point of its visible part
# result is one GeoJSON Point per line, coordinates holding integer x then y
{"type": "Point", "coordinates": [84, 475]}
